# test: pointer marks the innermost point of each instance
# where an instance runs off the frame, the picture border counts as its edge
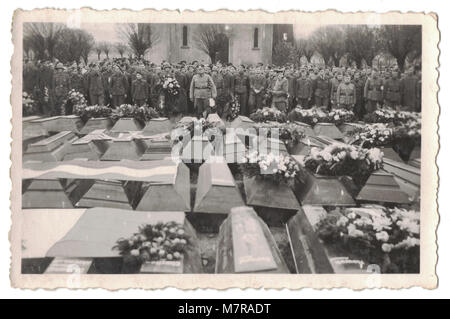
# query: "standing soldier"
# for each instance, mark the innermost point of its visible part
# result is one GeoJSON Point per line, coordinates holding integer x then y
{"type": "Point", "coordinates": [241, 85]}
{"type": "Point", "coordinates": [291, 78]}
{"type": "Point", "coordinates": [335, 82]}
{"type": "Point", "coordinates": [359, 108]}
{"type": "Point", "coordinates": [61, 86]}
{"type": "Point", "coordinates": [201, 90]}
{"type": "Point", "coordinates": [392, 97]}
{"type": "Point", "coordinates": [346, 94]}
{"type": "Point", "coordinates": [222, 96]}
{"type": "Point", "coordinates": [408, 88]}
{"type": "Point", "coordinates": [303, 90]}
{"type": "Point", "coordinates": [139, 90]}
{"type": "Point", "coordinates": [280, 92]}
{"type": "Point", "coordinates": [95, 86]}
{"type": "Point", "coordinates": [118, 87]}
{"type": "Point", "coordinates": [189, 75]}
{"type": "Point", "coordinates": [321, 90]}
{"type": "Point", "coordinates": [373, 91]}
{"type": "Point", "coordinates": [258, 83]}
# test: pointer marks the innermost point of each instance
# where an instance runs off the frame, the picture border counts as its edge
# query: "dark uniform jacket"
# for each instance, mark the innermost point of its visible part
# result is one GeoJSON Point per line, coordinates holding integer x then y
{"type": "Point", "coordinates": [392, 91]}
{"type": "Point", "coordinates": [61, 83]}
{"type": "Point", "coordinates": [118, 84]}
{"type": "Point", "coordinates": [372, 89]}
{"type": "Point", "coordinates": [139, 89]}
{"type": "Point", "coordinates": [241, 84]}
{"type": "Point", "coordinates": [95, 83]}
{"type": "Point", "coordinates": [322, 88]}
{"type": "Point", "coordinates": [303, 88]}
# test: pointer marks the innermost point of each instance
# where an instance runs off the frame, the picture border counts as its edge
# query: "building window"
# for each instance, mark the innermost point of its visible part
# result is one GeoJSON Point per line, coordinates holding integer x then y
{"type": "Point", "coordinates": [256, 38]}
{"type": "Point", "coordinates": [185, 36]}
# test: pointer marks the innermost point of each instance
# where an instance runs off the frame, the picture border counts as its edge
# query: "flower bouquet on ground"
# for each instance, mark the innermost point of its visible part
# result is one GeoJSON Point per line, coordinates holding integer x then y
{"type": "Point", "coordinates": [92, 111]}
{"type": "Point", "coordinates": [268, 114]}
{"type": "Point", "coordinates": [340, 159]}
{"type": "Point", "coordinates": [275, 168]}
{"type": "Point", "coordinates": [383, 115]}
{"type": "Point", "coordinates": [410, 130]}
{"type": "Point", "coordinates": [290, 133]}
{"type": "Point", "coordinates": [386, 237]}
{"type": "Point", "coordinates": [340, 116]}
{"type": "Point", "coordinates": [372, 135]}
{"type": "Point", "coordinates": [310, 116]}
{"type": "Point", "coordinates": [163, 241]}
{"type": "Point", "coordinates": [29, 105]}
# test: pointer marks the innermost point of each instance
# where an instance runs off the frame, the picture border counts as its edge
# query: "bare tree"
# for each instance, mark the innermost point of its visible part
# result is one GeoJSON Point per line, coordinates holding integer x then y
{"type": "Point", "coordinates": [210, 39]}
{"type": "Point", "coordinates": [42, 38]}
{"type": "Point", "coordinates": [402, 41]}
{"type": "Point", "coordinates": [329, 42]}
{"type": "Point", "coordinates": [98, 49]}
{"type": "Point", "coordinates": [361, 42]}
{"type": "Point", "coordinates": [139, 36]}
{"type": "Point", "coordinates": [106, 48]}
{"type": "Point", "coordinates": [120, 48]}
{"type": "Point", "coordinates": [305, 48]}
{"type": "Point", "coordinates": [73, 45]}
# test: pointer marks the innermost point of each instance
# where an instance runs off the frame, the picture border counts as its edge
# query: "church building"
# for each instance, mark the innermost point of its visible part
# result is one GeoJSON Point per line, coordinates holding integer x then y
{"type": "Point", "coordinates": [239, 43]}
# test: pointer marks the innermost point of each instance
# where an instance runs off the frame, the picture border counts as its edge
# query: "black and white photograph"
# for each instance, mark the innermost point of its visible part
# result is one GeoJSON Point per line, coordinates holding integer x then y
{"type": "Point", "coordinates": [250, 147]}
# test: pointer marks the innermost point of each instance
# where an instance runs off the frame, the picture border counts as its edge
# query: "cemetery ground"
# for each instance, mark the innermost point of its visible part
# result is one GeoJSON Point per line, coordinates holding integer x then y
{"type": "Point", "coordinates": [104, 171]}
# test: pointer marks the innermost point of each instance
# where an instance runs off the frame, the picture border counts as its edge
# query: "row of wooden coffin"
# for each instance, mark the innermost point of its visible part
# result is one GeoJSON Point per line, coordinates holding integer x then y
{"type": "Point", "coordinates": [244, 245]}
{"type": "Point", "coordinates": [35, 126]}
{"type": "Point", "coordinates": [168, 187]}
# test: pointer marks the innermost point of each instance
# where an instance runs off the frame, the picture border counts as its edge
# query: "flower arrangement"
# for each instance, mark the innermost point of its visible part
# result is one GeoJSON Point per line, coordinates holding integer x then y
{"type": "Point", "coordinates": [142, 113]}
{"type": "Point", "coordinates": [386, 237]}
{"type": "Point", "coordinates": [290, 133]}
{"type": "Point", "coordinates": [340, 116]}
{"type": "Point", "coordinates": [93, 111]}
{"type": "Point", "coordinates": [372, 135]}
{"type": "Point", "coordinates": [29, 106]}
{"type": "Point", "coordinates": [77, 100]}
{"type": "Point", "coordinates": [340, 159]}
{"type": "Point", "coordinates": [276, 168]}
{"type": "Point", "coordinates": [310, 116]}
{"type": "Point", "coordinates": [384, 115]}
{"type": "Point", "coordinates": [163, 241]}
{"type": "Point", "coordinates": [171, 86]}
{"type": "Point", "coordinates": [409, 130]}
{"type": "Point", "coordinates": [234, 109]}
{"type": "Point", "coordinates": [268, 114]}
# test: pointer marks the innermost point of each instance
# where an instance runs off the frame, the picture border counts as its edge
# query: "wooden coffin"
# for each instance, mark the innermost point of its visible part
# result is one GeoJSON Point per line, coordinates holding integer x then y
{"type": "Point", "coordinates": [242, 122]}
{"type": "Point", "coordinates": [347, 128]}
{"type": "Point", "coordinates": [124, 147]}
{"type": "Point", "coordinates": [305, 145]}
{"type": "Point", "coordinates": [127, 124]}
{"type": "Point", "coordinates": [246, 245]}
{"type": "Point", "coordinates": [96, 232]}
{"type": "Point", "coordinates": [309, 254]}
{"type": "Point", "coordinates": [217, 192]}
{"type": "Point", "coordinates": [197, 150]}
{"type": "Point", "coordinates": [271, 145]}
{"type": "Point", "coordinates": [415, 163]}
{"type": "Point", "coordinates": [56, 124]}
{"type": "Point", "coordinates": [32, 129]}
{"type": "Point", "coordinates": [169, 189]}
{"type": "Point", "coordinates": [105, 194]}
{"type": "Point", "coordinates": [307, 129]}
{"type": "Point", "coordinates": [312, 189]}
{"type": "Point", "coordinates": [157, 149]}
{"type": "Point", "coordinates": [46, 193]}
{"type": "Point", "coordinates": [234, 150]}
{"type": "Point", "coordinates": [86, 148]}
{"type": "Point", "coordinates": [382, 187]}
{"type": "Point", "coordinates": [99, 123]}
{"type": "Point", "coordinates": [51, 149]}
{"type": "Point", "coordinates": [216, 120]}
{"type": "Point", "coordinates": [157, 126]}
{"type": "Point", "coordinates": [389, 153]}
{"type": "Point", "coordinates": [328, 129]}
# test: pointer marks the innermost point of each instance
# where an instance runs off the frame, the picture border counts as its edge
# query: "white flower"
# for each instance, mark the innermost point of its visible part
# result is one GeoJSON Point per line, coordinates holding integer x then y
{"type": "Point", "coordinates": [134, 252]}
{"type": "Point", "coordinates": [354, 154]}
{"type": "Point", "coordinates": [342, 221]}
{"type": "Point", "coordinates": [387, 247]}
{"type": "Point", "coordinates": [336, 117]}
{"type": "Point", "coordinates": [382, 236]}
{"type": "Point", "coordinates": [353, 232]}
{"type": "Point", "coordinates": [351, 215]}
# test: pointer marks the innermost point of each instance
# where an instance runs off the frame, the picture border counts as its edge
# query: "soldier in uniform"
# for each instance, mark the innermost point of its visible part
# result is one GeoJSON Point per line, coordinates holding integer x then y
{"type": "Point", "coordinates": [321, 90]}
{"type": "Point", "coordinates": [241, 86]}
{"type": "Point", "coordinates": [258, 84]}
{"type": "Point", "coordinates": [139, 90]}
{"type": "Point", "coordinates": [291, 78]}
{"type": "Point", "coordinates": [346, 94]}
{"type": "Point", "coordinates": [222, 96]}
{"type": "Point", "coordinates": [303, 90]}
{"type": "Point", "coordinates": [335, 82]}
{"type": "Point", "coordinates": [359, 108]}
{"type": "Point", "coordinates": [280, 92]}
{"type": "Point", "coordinates": [95, 86]}
{"type": "Point", "coordinates": [118, 87]}
{"type": "Point", "coordinates": [373, 91]}
{"type": "Point", "coordinates": [201, 90]}
{"type": "Point", "coordinates": [61, 86]}
{"type": "Point", "coordinates": [408, 88]}
{"type": "Point", "coordinates": [391, 92]}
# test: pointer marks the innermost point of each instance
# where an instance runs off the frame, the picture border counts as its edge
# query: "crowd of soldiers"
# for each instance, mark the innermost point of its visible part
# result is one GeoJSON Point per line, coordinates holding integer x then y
{"type": "Point", "coordinates": [203, 87]}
